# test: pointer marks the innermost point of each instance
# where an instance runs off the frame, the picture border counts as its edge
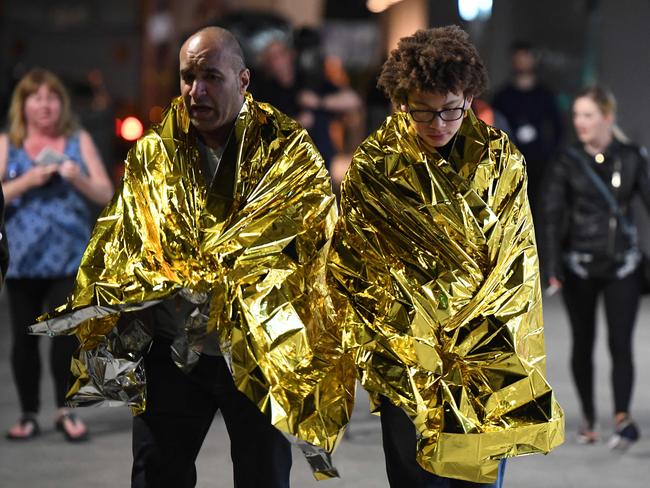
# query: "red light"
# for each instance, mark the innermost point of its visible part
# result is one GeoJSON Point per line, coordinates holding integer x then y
{"type": "Point", "coordinates": [131, 129]}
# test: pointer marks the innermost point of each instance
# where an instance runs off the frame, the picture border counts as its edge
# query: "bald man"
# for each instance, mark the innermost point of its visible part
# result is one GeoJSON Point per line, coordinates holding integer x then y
{"type": "Point", "coordinates": [202, 288]}
{"type": "Point", "coordinates": [180, 406]}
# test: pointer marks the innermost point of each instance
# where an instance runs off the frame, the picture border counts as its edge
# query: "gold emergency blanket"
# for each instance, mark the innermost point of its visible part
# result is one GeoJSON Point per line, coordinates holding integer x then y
{"type": "Point", "coordinates": [257, 251]}
{"type": "Point", "coordinates": [437, 262]}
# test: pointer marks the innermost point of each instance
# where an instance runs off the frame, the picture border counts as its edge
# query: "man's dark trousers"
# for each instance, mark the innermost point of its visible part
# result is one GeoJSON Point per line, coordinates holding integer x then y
{"type": "Point", "coordinates": [180, 408]}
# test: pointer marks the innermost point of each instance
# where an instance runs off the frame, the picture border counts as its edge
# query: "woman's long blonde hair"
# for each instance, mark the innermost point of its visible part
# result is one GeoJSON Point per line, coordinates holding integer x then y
{"type": "Point", "coordinates": [28, 85]}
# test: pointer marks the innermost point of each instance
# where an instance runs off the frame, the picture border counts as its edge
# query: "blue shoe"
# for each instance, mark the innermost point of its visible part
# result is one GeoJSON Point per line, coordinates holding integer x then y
{"type": "Point", "coordinates": [627, 433]}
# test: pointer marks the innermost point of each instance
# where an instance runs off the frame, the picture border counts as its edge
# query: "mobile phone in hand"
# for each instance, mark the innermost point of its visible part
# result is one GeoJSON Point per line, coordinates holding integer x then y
{"type": "Point", "coordinates": [49, 156]}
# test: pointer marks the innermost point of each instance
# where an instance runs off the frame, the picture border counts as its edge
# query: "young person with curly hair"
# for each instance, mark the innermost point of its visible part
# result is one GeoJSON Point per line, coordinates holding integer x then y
{"type": "Point", "coordinates": [436, 266]}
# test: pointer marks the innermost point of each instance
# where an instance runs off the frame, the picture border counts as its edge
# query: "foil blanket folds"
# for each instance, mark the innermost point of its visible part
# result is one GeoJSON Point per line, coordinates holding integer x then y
{"type": "Point", "coordinates": [437, 274]}
{"type": "Point", "coordinates": [253, 244]}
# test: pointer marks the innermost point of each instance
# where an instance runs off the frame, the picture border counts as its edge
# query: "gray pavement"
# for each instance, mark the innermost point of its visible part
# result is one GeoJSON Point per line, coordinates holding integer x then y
{"type": "Point", "coordinates": [105, 461]}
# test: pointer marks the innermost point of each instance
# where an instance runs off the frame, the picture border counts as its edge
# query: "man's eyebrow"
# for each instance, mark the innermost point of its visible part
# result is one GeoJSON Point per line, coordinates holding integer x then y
{"type": "Point", "coordinates": [209, 70]}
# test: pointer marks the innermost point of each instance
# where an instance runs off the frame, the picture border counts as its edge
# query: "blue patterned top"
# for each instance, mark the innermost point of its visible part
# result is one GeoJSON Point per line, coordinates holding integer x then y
{"type": "Point", "coordinates": [48, 227]}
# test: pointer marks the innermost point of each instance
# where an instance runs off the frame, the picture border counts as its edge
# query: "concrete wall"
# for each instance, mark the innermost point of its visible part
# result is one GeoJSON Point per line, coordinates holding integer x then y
{"type": "Point", "coordinates": [617, 39]}
{"type": "Point", "coordinates": [610, 45]}
{"type": "Point", "coordinates": [624, 63]}
{"type": "Point", "coordinates": [71, 38]}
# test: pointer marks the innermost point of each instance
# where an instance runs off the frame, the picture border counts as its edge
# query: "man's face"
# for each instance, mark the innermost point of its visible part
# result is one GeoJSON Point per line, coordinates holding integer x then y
{"type": "Point", "coordinates": [213, 84]}
{"type": "Point", "coordinates": [278, 62]}
{"type": "Point", "coordinates": [523, 62]}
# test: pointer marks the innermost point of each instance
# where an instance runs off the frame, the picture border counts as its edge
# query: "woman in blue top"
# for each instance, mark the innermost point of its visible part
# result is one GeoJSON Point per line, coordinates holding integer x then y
{"type": "Point", "coordinates": [49, 168]}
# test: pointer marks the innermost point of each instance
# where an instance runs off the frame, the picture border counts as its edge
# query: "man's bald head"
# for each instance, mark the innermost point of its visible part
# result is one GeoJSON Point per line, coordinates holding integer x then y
{"type": "Point", "coordinates": [213, 82]}
{"type": "Point", "coordinates": [216, 38]}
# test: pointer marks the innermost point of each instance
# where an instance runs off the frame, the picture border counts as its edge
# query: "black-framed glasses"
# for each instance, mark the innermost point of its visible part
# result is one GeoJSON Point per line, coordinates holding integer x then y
{"type": "Point", "coordinates": [447, 115]}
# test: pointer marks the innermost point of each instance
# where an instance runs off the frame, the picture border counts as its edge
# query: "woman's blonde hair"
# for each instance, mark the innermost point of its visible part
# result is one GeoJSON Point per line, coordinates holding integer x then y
{"type": "Point", "coordinates": [28, 85]}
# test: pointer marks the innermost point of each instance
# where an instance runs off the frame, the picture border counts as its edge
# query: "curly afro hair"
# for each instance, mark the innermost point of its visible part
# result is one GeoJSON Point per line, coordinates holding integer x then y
{"type": "Point", "coordinates": [439, 60]}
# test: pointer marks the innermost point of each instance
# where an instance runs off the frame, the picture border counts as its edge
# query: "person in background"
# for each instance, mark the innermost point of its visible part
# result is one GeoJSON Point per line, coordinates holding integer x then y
{"type": "Point", "coordinates": [592, 251]}
{"type": "Point", "coordinates": [49, 169]}
{"type": "Point", "coordinates": [311, 102]}
{"type": "Point", "coordinates": [436, 265]}
{"type": "Point", "coordinates": [533, 117]}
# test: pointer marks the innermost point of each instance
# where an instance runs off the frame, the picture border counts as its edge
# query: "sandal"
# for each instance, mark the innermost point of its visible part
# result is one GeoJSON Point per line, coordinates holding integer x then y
{"type": "Point", "coordinates": [587, 434]}
{"type": "Point", "coordinates": [587, 437]}
{"type": "Point", "coordinates": [29, 428]}
{"type": "Point", "coordinates": [63, 425]}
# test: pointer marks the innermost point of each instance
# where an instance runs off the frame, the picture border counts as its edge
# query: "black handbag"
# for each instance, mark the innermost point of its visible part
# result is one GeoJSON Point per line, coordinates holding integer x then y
{"type": "Point", "coordinates": [626, 225]}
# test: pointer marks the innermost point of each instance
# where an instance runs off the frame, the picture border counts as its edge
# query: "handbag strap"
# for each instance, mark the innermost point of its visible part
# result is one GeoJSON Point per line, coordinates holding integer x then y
{"type": "Point", "coordinates": [603, 190]}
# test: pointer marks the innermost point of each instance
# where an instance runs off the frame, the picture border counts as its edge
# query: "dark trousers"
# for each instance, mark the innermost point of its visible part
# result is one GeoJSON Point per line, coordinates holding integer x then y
{"type": "Point", "coordinates": [398, 435]}
{"type": "Point", "coordinates": [621, 305]}
{"type": "Point", "coordinates": [167, 437]}
{"type": "Point", "coordinates": [29, 298]}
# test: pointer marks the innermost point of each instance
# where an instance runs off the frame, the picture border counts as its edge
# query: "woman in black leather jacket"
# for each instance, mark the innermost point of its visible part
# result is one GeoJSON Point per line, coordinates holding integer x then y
{"type": "Point", "coordinates": [592, 251]}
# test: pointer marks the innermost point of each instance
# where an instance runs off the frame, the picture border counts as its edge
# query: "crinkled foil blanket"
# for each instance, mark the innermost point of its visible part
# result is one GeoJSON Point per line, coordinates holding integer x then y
{"type": "Point", "coordinates": [254, 248]}
{"type": "Point", "coordinates": [437, 272]}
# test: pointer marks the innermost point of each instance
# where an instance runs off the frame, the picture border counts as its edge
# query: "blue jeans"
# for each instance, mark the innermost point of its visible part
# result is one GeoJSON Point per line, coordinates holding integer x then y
{"type": "Point", "coordinates": [398, 434]}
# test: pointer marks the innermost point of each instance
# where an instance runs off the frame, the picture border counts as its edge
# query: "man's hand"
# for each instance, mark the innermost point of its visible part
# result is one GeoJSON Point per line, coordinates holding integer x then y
{"type": "Point", "coordinates": [309, 100]}
{"type": "Point", "coordinates": [306, 119]}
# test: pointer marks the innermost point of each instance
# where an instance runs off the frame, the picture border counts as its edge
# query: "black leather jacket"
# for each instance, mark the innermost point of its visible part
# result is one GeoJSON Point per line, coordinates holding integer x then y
{"type": "Point", "coordinates": [576, 216]}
